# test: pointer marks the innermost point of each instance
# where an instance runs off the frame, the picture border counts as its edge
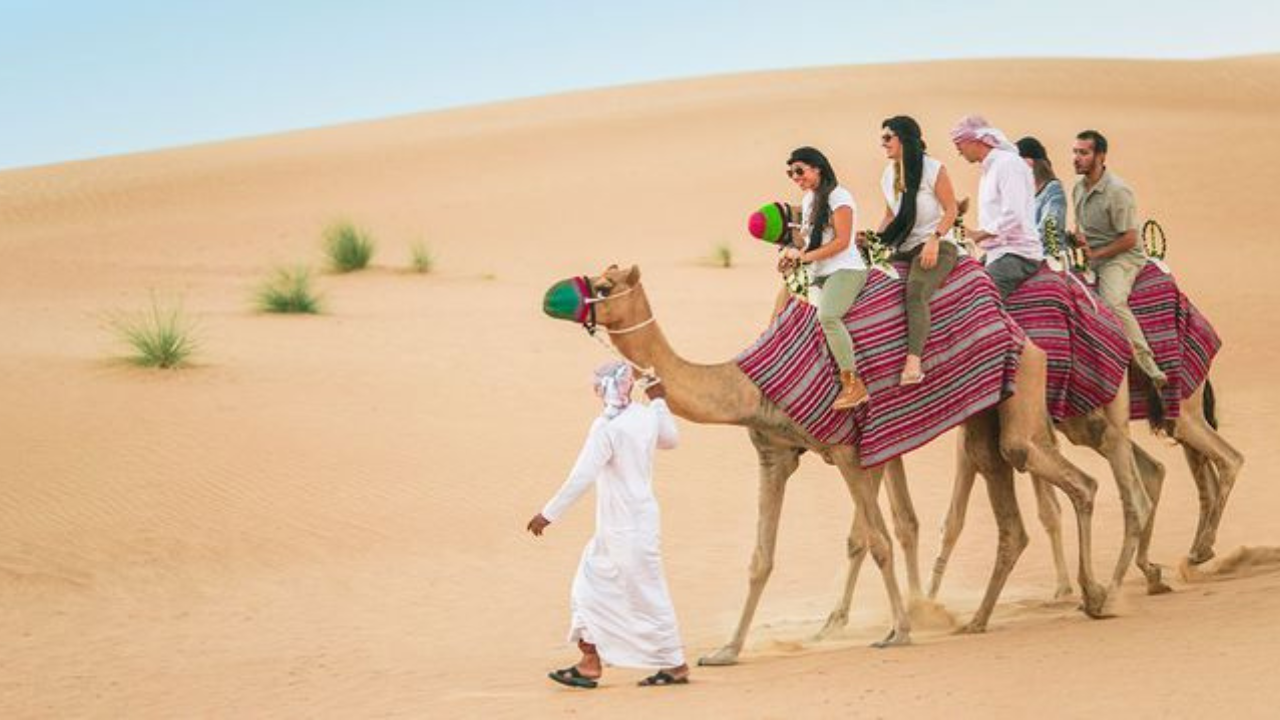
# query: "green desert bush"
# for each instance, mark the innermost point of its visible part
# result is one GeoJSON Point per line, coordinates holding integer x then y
{"type": "Point", "coordinates": [349, 248]}
{"type": "Point", "coordinates": [420, 258]}
{"type": "Point", "coordinates": [162, 337]}
{"type": "Point", "coordinates": [723, 255]}
{"type": "Point", "coordinates": [288, 290]}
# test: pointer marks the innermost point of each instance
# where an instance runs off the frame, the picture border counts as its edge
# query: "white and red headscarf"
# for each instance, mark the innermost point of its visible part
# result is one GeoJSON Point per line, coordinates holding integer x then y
{"type": "Point", "coordinates": [612, 384]}
{"type": "Point", "coordinates": [976, 127]}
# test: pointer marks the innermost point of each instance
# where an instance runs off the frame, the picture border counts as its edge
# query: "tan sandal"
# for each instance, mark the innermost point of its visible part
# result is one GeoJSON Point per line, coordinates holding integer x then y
{"type": "Point", "coordinates": [915, 379]}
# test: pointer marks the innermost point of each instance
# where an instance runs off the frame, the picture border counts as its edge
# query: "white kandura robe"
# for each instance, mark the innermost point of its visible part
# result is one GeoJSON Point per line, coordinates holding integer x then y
{"type": "Point", "coordinates": [620, 600]}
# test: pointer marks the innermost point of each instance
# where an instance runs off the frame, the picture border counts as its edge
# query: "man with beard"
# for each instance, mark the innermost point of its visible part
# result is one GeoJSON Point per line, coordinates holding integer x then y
{"type": "Point", "coordinates": [1107, 229]}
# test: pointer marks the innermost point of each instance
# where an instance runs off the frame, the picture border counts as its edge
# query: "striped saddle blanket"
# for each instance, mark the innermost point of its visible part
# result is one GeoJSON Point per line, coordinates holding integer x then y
{"type": "Point", "coordinates": [1087, 350]}
{"type": "Point", "coordinates": [970, 361]}
{"type": "Point", "coordinates": [1180, 337]}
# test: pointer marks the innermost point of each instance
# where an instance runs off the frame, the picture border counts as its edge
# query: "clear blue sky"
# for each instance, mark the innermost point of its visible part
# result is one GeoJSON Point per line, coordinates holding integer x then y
{"type": "Point", "coordinates": [89, 78]}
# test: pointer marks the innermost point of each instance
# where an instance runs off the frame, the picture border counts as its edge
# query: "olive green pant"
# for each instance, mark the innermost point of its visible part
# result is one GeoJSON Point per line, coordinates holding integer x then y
{"type": "Point", "coordinates": [921, 284]}
{"type": "Point", "coordinates": [1115, 281]}
{"type": "Point", "coordinates": [838, 291]}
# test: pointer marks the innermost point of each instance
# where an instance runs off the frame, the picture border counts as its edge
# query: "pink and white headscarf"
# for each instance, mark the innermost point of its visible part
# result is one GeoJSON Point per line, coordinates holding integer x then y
{"type": "Point", "coordinates": [612, 384]}
{"type": "Point", "coordinates": [976, 127]}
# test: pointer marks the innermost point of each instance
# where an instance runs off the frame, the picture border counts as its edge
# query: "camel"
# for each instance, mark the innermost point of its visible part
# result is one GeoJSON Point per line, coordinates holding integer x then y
{"type": "Point", "coordinates": [1138, 475]}
{"type": "Point", "coordinates": [1012, 436]}
{"type": "Point", "coordinates": [1214, 464]}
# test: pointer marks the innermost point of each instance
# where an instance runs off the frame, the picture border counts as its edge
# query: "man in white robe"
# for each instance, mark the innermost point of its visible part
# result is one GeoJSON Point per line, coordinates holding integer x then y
{"type": "Point", "coordinates": [621, 610]}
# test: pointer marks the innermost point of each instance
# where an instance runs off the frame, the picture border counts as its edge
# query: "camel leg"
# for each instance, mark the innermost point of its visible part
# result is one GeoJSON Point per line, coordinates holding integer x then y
{"type": "Point", "coordinates": [776, 465]}
{"type": "Point", "coordinates": [905, 524]}
{"type": "Point", "coordinates": [857, 550]}
{"type": "Point", "coordinates": [1098, 431]}
{"type": "Point", "coordinates": [1192, 430]}
{"type": "Point", "coordinates": [982, 445]}
{"type": "Point", "coordinates": [966, 474]}
{"type": "Point", "coordinates": [907, 529]}
{"type": "Point", "coordinates": [1206, 479]}
{"type": "Point", "coordinates": [1026, 443]}
{"type": "Point", "coordinates": [1151, 473]}
{"type": "Point", "coordinates": [864, 486]}
{"type": "Point", "coordinates": [1050, 513]}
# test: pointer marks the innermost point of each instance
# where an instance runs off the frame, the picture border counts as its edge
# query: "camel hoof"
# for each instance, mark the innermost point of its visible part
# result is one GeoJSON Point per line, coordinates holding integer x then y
{"type": "Point", "coordinates": [1063, 592]}
{"type": "Point", "coordinates": [1095, 601]}
{"type": "Point", "coordinates": [1155, 584]}
{"type": "Point", "coordinates": [895, 638]}
{"type": "Point", "coordinates": [1199, 558]}
{"type": "Point", "coordinates": [972, 628]}
{"type": "Point", "coordinates": [836, 622]}
{"type": "Point", "coordinates": [723, 657]}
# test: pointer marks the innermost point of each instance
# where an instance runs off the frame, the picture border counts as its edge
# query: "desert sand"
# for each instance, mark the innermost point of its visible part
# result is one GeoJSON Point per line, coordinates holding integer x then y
{"type": "Point", "coordinates": [324, 516]}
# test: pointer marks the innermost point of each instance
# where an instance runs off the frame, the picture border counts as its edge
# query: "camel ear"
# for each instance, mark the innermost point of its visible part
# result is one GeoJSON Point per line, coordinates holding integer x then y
{"type": "Point", "coordinates": [633, 276]}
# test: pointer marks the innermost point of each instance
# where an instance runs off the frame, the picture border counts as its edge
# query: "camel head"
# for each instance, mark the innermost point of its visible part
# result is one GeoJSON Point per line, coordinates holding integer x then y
{"type": "Point", "coordinates": [608, 300]}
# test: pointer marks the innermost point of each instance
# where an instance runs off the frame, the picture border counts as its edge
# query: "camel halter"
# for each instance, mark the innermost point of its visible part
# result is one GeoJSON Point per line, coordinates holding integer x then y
{"type": "Point", "coordinates": [589, 324]}
{"type": "Point", "coordinates": [590, 302]}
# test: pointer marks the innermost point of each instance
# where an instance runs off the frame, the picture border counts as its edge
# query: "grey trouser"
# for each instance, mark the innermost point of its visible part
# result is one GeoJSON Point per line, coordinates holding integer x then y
{"type": "Point", "coordinates": [1115, 281]}
{"type": "Point", "coordinates": [838, 291]}
{"type": "Point", "coordinates": [921, 284]}
{"type": "Point", "coordinates": [1008, 272]}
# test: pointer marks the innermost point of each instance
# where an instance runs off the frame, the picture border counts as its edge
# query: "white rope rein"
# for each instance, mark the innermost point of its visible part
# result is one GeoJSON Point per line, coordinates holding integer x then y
{"type": "Point", "coordinates": [647, 377]}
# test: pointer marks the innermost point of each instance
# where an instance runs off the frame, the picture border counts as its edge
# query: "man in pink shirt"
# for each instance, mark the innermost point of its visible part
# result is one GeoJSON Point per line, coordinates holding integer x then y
{"type": "Point", "coordinates": [1006, 204]}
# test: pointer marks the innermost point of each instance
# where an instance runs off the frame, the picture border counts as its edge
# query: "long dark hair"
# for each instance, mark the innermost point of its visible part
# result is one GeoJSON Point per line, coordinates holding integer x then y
{"type": "Point", "coordinates": [821, 214]}
{"type": "Point", "coordinates": [1042, 169]}
{"type": "Point", "coordinates": [1032, 149]}
{"type": "Point", "coordinates": [912, 169]}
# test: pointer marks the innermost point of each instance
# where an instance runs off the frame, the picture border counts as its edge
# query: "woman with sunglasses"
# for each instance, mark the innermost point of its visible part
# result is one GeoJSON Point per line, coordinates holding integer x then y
{"type": "Point", "coordinates": [920, 208]}
{"type": "Point", "coordinates": [825, 240]}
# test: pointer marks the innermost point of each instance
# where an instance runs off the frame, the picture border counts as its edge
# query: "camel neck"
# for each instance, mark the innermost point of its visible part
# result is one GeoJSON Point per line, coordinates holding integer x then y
{"type": "Point", "coordinates": [718, 394]}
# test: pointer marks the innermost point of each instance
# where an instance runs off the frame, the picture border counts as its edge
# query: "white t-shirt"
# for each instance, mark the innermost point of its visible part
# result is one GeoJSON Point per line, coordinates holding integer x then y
{"type": "Point", "coordinates": [849, 258]}
{"type": "Point", "coordinates": [928, 209]}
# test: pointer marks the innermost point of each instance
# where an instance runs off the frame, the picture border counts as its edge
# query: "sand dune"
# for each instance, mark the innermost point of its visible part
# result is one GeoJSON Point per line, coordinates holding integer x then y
{"type": "Point", "coordinates": [324, 516]}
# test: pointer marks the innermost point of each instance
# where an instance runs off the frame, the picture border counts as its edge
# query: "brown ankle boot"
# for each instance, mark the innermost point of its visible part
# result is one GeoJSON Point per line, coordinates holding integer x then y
{"type": "Point", "coordinates": [852, 392]}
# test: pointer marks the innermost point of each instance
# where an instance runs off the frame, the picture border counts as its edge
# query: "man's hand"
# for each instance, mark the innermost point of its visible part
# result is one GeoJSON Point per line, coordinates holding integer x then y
{"type": "Point", "coordinates": [1078, 238]}
{"type": "Point", "coordinates": [537, 524]}
{"type": "Point", "coordinates": [656, 390]}
{"type": "Point", "coordinates": [929, 255]}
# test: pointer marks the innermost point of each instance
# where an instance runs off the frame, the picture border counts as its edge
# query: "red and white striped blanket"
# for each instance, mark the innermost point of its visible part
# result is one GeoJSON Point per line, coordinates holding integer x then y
{"type": "Point", "coordinates": [1087, 350]}
{"type": "Point", "coordinates": [1180, 336]}
{"type": "Point", "coordinates": [970, 361]}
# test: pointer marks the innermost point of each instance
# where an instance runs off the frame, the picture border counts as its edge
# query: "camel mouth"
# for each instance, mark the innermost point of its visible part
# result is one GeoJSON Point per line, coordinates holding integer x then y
{"type": "Point", "coordinates": [567, 300]}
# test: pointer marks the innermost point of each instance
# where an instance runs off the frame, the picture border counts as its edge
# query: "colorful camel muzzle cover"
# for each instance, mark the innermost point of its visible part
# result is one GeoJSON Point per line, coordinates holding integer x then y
{"type": "Point", "coordinates": [567, 300]}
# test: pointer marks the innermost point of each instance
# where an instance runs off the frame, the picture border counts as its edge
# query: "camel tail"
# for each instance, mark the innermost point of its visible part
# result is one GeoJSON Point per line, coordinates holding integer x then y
{"type": "Point", "coordinates": [1156, 415]}
{"type": "Point", "coordinates": [1210, 405]}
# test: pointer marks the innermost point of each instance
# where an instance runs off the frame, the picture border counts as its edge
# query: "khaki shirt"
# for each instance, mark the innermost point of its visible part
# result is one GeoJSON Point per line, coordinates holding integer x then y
{"type": "Point", "coordinates": [1105, 212]}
